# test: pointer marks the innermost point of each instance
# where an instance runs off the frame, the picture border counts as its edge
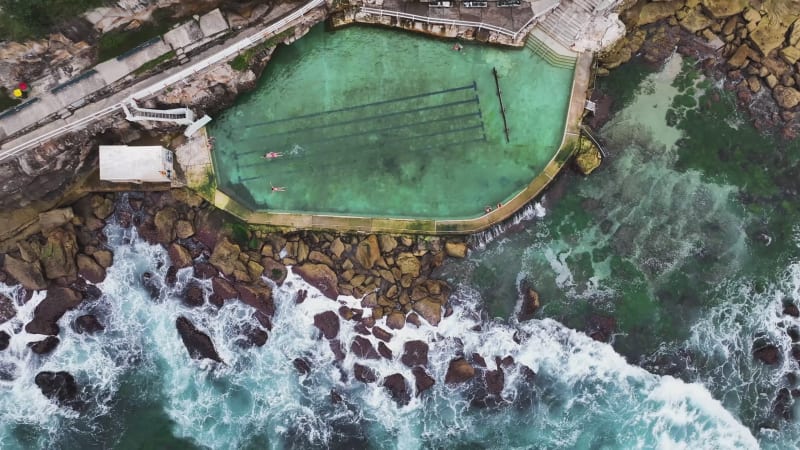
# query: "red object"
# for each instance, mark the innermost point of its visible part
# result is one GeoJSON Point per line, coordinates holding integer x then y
{"type": "Point", "coordinates": [23, 86]}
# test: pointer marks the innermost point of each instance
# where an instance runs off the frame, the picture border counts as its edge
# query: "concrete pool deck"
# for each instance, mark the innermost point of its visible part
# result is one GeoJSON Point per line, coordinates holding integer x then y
{"type": "Point", "coordinates": [202, 180]}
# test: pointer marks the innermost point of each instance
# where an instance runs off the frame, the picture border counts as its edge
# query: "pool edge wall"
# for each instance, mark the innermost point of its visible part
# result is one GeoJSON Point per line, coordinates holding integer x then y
{"type": "Point", "coordinates": [307, 221]}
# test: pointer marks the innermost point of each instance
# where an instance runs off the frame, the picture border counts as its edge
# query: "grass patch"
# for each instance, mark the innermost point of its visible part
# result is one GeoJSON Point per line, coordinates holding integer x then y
{"type": "Point", "coordinates": [6, 101]}
{"type": "Point", "coordinates": [155, 62]}
{"type": "Point", "coordinates": [243, 59]}
{"type": "Point", "coordinates": [28, 19]}
{"type": "Point", "coordinates": [117, 42]}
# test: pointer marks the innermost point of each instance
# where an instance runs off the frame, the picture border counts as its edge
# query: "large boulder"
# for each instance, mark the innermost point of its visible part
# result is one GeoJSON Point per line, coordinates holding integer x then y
{"type": "Point", "coordinates": [55, 218]}
{"type": "Point", "coordinates": [720, 9]}
{"type": "Point", "coordinates": [459, 371]}
{"type": "Point", "coordinates": [225, 257]}
{"type": "Point", "coordinates": [328, 323]}
{"type": "Point", "coordinates": [197, 343]}
{"type": "Point", "coordinates": [786, 97]}
{"type": "Point", "coordinates": [164, 222]}
{"type": "Point", "coordinates": [58, 254]}
{"type": "Point", "coordinates": [530, 303]}
{"type": "Point", "coordinates": [44, 346]}
{"type": "Point", "coordinates": [408, 264]}
{"type": "Point", "coordinates": [364, 374]}
{"type": "Point", "coordinates": [396, 320]}
{"type": "Point", "coordinates": [368, 252]}
{"type": "Point", "coordinates": [5, 339]}
{"type": "Point", "coordinates": [321, 277]}
{"type": "Point", "coordinates": [387, 243]}
{"type": "Point", "coordinates": [184, 229]}
{"type": "Point", "coordinates": [423, 381]}
{"type": "Point", "coordinates": [769, 34]}
{"type": "Point", "coordinates": [363, 348]}
{"type": "Point", "coordinates": [654, 11]}
{"type": "Point", "coordinates": [179, 256]}
{"type": "Point", "coordinates": [193, 295]}
{"type": "Point", "coordinates": [274, 270]}
{"type": "Point", "coordinates": [58, 386]}
{"type": "Point", "coordinates": [223, 289]}
{"type": "Point", "coordinates": [29, 275]}
{"type": "Point", "coordinates": [397, 387]}
{"type": "Point", "coordinates": [58, 301]}
{"type": "Point", "coordinates": [415, 353]}
{"type": "Point", "coordinates": [90, 270]}
{"type": "Point", "coordinates": [768, 354]}
{"type": "Point", "coordinates": [7, 309]}
{"type": "Point", "coordinates": [89, 324]}
{"type": "Point", "coordinates": [258, 296]}
{"type": "Point", "coordinates": [456, 249]}
{"type": "Point", "coordinates": [104, 257]}
{"type": "Point", "coordinates": [429, 310]}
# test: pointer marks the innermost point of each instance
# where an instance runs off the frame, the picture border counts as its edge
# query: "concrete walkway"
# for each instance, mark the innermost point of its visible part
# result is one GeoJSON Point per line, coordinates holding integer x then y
{"type": "Point", "coordinates": [103, 108]}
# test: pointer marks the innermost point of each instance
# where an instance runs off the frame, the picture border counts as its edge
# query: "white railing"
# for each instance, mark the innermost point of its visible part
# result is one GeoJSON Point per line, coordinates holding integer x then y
{"type": "Point", "coordinates": [158, 86]}
{"type": "Point", "coordinates": [463, 23]}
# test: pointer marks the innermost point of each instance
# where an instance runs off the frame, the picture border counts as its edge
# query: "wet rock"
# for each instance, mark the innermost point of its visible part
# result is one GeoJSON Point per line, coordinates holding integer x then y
{"type": "Point", "coordinates": [257, 296]}
{"type": "Point", "coordinates": [494, 380]}
{"type": "Point", "coordinates": [302, 366]}
{"type": "Point", "coordinates": [198, 344]}
{"type": "Point", "coordinates": [7, 309]}
{"type": "Point", "coordinates": [362, 348]}
{"type": "Point", "coordinates": [171, 277]}
{"type": "Point", "coordinates": [768, 354]}
{"type": "Point", "coordinates": [429, 310]}
{"type": "Point", "coordinates": [456, 249]}
{"type": "Point", "coordinates": [179, 256]}
{"type": "Point", "coordinates": [57, 386]}
{"type": "Point", "coordinates": [600, 328]}
{"type": "Point", "coordinates": [364, 374]}
{"type": "Point", "coordinates": [29, 275]}
{"type": "Point", "coordinates": [321, 277]}
{"type": "Point", "coordinates": [5, 339]}
{"type": "Point", "coordinates": [254, 336]}
{"type": "Point", "coordinates": [422, 380]}
{"type": "Point", "coordinates": [408, 264]}
{"type": "Point", "coordinates": [459, 371]}
{"type": "Point", "coordinates": [506, 362]}
{"type": "Point", "coordinates": [360, 328]}
{"type": "Point", "coordinates": [204, 271]}
{"type": "Point", "coordinates": [415, 353]}
{"type": "Point", "coordinates": [336, 397]}
{"type": "Point", "coordinates": [790, 309]}
{"type": "Point", "coordinates": [104, 257]}
{"type": "Point", "coordinates": [530, 302]}
{"type": "Point", "coordinates": [89, 324]}
{"type": "Point", "coordinates": [384, 351]}
{"type": "Point", "coordinates": [274, 270]}
{"type": "Point", "coordinates": [58, 301]}
{"type": "Point", "coordinates": [193, 295]}
{"type": "Point", "coordinates": [225, 257]}
{"type": "Point", "coordinates": [90, 270]}
{"type": "Point", "coordinates": [336, 348]}
{"type": "Point", "coordinates": [223, 289]}
{"type": "Point", "coordinates": [328, 323]}
{"type": "Point", "coordinates": [152, 285]}
{"type": "Point", "coordinates": [164, 221]}
{"type": "Point", "coordinates": [45, 346]}
{"type": "Point", "coordinates": [397, 387]}
{"type": "Point", "coordinates": [8, 371]}
{"type": "Point", "coordinates": [381, 334]}
{"type": "Point", "coordinates": [396, 320]}
{"type": "Point", "coordinates": [387, 243]}
{"type": "Point", "coordinates": [414, 319]}
{"type": "Point", "coordinates": [478, 360]}
{"type": "Point", "coordinates": [300, 296]}
{"type": "Point", "coordinates": [527, 373]}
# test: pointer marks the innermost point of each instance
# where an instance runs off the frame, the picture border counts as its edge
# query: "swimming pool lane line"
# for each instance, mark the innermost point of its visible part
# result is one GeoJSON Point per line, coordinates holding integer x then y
{"type": "Point", "coordinates": [361, 119]}
{"type": "Point", "coordinates": [472, 86]}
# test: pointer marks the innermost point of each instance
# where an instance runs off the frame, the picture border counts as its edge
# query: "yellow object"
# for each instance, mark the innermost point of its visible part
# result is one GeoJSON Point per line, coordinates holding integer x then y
{"type": "Point", "coordinates": [17, 93]}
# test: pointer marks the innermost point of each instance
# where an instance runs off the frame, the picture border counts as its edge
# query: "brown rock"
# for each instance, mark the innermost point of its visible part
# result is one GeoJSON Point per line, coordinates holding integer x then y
{"type": "Point", "coordinates": [103, 257]}
{"type": "Point", "coordinates": [204, 271]}
{"type": "Point", "coordinates": [478, 360]}
{"type": "Point", "coordinates": [740, 56]}
{"type": "Point", "coordinates": [384, 351]}
{"type": "Point", "coordinates": [101, 207]}
{"type": "Point", "coordinates": [396, 320]}
{"type": "Point", "coordinates": [459, 371]}
{"type": "Point", "coordinates": [381, 334]}
{"type": "Point", "coordinates": [387, 243]}
{"type": "Point", "coordinates": [223, 289]}
{"type": "Point", "coordinates": [179, 256]}
{"type": "Point", "coordinates": [787, 97]}
{"type": "Point", "coordinates": [225, 256]}
{"type": "Point", "coordinates": [413, 318]}
{"type": "Point", "coordinates": [655, 11]}
{"type": "Point", "coordinates": [408, 264]}
{"type": "Point", "coordinates": [45, 346]}
{"type": "Point", "coordinates": [768, 354]}
{"type": "Point", "coordinates": [364, 374]}
{"type": "Point", "coordinates": [720, 9]}
{"type": "Point", "coordinates": [368, 252]}
{"type": "Point", "coordinates": [429, 310]}
{"type": "Point", "coordinates": [7, 309]}
{"type": "Point", "coordinates": [754, 84]}
{"type": "Point", "coordinates": [530, 303]}
{"type": "Point", "coordinates": [58, 254]}
{"type": "Point", "coordinates": [184, 229]}
{"type": "Point", "coordinates": [274, 270]}
{"type": "Point", "coordinates": [362, 348]}
{"type": "Point", "coordinates": [90, 270]}
{"type": "Point", "coordinates": [370, 300]}
{"type": "Point", "coordinates": [198, 344]}
{"type": "Point", "coordinates": [321, 258]}
{"type": "Point", "coordinates": [164, 221]}
{"type": "Point", "coordinates": [337, 247]}
{"type": "Point", "coordinates": [695, 21]}
{"type": "Point", "coordinates": [321, 277]}
{"type": "Point", "coordinates": [396, 385]}
{"type": "Point", "coordinates": [328, 323]}
{"type": "Point", "coordinates": [55, 218]}
{"type": "Point", "coordinates": [58, 301]}
{"type": "Point", "coordinates": [415, 353]}
{"type": "Point", "coordinates": [29, 275]}
{"type": "Point", "coordinates": [422, 380]}
{"type": "Point", "coordinates": [257, 296]}
{"type": "Point", "coordinates": [193, 295]}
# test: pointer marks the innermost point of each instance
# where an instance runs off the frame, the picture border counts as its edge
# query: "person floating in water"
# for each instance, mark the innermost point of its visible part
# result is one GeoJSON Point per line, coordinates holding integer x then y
{"type": "Point", "coordinates": [488, 209]}
{"type": "Point", "coordinates": [457, 47]}
{"type": "Point", "coordinates": [272, 155]}
{"type": "Point", "coordinates": [277, 188]}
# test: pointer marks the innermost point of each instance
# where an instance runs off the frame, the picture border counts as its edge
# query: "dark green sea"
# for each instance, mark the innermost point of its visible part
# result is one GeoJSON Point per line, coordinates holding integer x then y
{"type": "Point", "coordinates": [684, 244]}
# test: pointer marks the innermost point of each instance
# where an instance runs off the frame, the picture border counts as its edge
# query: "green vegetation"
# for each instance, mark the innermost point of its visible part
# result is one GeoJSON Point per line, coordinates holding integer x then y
{"type": "Point", "coordinates": [240, 234]}
{"type": "Point", "coordinates": [153, 63]}
{"type": "Point", "coordinates": [28, 19]}
{"type": "Point", "coordinates": [243, 60]}
{"type": "Point", "coordinates": [117, 42]}
{"type": "Point", "coordinates": [209, 186]}
{"type": "Point", "coordinates": [6, 101]}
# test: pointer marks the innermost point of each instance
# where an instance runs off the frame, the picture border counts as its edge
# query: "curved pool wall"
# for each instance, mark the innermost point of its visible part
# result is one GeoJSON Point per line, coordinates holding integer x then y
{"type": "Point", "coordinates": [409, 128]}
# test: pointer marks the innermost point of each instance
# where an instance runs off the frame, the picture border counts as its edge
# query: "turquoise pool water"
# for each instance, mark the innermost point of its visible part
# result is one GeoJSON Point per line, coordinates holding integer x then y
{"type": "Point", "coordinates": [384, 123]}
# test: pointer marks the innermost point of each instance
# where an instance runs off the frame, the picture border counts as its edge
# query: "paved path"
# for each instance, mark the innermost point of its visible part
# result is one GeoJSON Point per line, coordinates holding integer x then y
{"type": "Point", "coordinates": [108, 106]}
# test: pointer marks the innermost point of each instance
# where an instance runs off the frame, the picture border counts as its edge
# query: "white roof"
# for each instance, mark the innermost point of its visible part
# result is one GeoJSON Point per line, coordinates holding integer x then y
{"type": "Point", "coordinates": [122, 163]}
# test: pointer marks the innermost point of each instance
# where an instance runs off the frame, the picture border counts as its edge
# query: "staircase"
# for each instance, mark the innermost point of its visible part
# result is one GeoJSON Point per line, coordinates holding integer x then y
{"type": "Point", "coordinates": [553, 58]}
{"type": "Point", "coordinates": [180, 116]}
{"type": "Point", "coordinates": [565, 23]}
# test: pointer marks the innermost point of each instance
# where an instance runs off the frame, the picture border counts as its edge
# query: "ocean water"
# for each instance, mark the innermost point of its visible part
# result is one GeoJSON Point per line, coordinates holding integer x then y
{"type": "Point", "coordinates": [680, 237]}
